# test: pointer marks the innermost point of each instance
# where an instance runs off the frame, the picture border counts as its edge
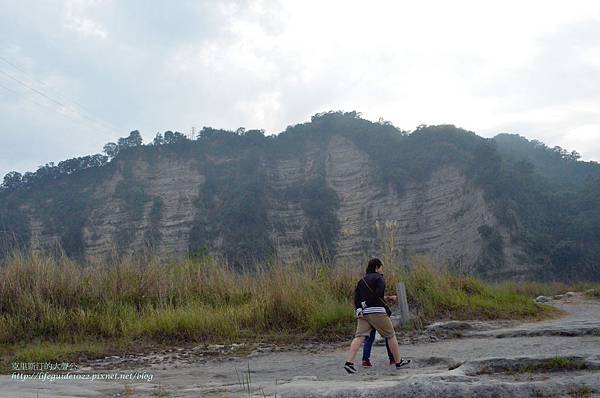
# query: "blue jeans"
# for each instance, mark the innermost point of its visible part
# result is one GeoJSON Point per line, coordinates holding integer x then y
{"type": "Point", "coordinates": [369, 344]}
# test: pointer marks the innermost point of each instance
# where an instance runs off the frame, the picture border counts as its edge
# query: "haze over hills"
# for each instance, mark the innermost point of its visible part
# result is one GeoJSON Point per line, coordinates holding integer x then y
{"type": "Point", "coordinates": [336, 187]}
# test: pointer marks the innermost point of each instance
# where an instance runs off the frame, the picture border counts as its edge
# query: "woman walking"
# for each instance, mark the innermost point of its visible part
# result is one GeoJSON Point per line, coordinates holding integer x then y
{"type": "Point", "coordinates": [372, 313]}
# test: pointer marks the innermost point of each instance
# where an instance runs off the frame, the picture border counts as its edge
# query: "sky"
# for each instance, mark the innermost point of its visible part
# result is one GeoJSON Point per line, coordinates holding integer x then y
{"type": "Point", "coordinates": [75, 75]}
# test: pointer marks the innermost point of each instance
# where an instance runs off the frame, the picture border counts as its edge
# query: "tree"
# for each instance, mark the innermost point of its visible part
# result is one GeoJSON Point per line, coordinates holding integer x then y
{"type": "Point", "coordinates": [29, 178]}
{"type": "Point", "coordinates": [134, 139]}
{"type": "Point", "coordinates": [111, 150]}
{"type": "Point", "coordinates": [48, 171]}
{"type": "Point", "coordinates": [158, 139]}
{"type": "Point", "coordinates": [12, 181]}
{"type": "Point", "coordinates": [70, 166]}
{"type": "Point", "coordinates": [209, 133]}
{"type": "Point", "coordinates": [97, 160]}
{"type": "Point", "coordinates": [254, 136]}
{"type": "Point", "coordinates": [174, 137]}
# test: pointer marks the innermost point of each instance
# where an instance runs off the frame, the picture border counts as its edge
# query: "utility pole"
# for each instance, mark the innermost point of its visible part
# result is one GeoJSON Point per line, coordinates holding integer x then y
{"type": "Point", "coordinates": [193, 133]}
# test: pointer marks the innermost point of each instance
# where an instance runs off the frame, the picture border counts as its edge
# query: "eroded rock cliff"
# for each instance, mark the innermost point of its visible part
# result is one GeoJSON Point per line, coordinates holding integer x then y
{"type": "Point", "coordinates": [441, 216]}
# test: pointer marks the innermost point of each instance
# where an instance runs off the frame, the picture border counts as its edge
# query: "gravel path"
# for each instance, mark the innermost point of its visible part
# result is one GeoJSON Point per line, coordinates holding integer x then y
{"type": "Point", "coordinates": [502, 359]}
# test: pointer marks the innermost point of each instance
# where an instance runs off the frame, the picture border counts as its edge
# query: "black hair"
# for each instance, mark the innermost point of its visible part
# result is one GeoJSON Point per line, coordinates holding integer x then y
{"type": "Point", "coordinates": [374, 265]}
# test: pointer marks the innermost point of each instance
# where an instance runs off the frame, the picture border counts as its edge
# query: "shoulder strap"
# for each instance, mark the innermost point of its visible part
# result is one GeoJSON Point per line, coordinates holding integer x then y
{"type": "Point", "coordinates": [383, 302]}
{"type": "Point", "coordinates": [363, 279]}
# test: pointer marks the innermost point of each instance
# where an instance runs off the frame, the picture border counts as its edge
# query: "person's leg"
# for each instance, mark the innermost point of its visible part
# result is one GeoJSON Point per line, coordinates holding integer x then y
{"type": "Point", "coordinates": [383, 325]}
{"type": "Point", "coordinates": [368, 346]}
{"type": "Point", "coordinates": [354, 346]}
{"type": "Point", "coordinates": [363, 329]}
{"type": "Point", "coordinates": [394, 348]}
{"type": "Point", "coordinates": [387, 347]}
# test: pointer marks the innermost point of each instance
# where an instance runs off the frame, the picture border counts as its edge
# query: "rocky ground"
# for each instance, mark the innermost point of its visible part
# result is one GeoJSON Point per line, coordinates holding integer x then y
{"type": "Point", "coordinates": [554, 358]}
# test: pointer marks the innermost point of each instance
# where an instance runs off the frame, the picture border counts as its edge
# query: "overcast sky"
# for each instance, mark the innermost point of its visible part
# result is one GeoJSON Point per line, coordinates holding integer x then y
{"type": "Point", "coordinates": [77, 74]}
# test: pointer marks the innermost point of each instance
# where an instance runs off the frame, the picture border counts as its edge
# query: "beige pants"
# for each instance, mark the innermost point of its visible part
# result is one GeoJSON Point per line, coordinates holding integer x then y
{"type": "Point", "coordinates": [380, 322]}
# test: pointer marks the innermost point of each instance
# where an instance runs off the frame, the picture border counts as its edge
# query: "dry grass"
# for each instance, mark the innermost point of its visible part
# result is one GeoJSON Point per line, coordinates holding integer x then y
{"type": "Point", "coordinates": [53, 299]}
{"type": "Point", "coordinates": [56, 299]}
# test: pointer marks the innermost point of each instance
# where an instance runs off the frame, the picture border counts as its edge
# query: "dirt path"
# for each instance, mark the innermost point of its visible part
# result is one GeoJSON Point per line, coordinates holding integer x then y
{"type": "Point", "coordinates": [554, 358]}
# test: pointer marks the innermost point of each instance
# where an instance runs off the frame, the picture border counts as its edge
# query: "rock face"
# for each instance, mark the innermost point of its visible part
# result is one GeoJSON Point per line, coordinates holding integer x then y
{"type": "Point", "coordinates": [439, 217]}
{"type": "Point", "coordinates": [287, 216]}
{"type": "Point", "coordinates": [172, 182]}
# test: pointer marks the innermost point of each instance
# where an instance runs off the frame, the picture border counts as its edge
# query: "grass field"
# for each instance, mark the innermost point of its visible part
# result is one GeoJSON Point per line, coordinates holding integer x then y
{"type": "Point", "coordinates": [54, 308]}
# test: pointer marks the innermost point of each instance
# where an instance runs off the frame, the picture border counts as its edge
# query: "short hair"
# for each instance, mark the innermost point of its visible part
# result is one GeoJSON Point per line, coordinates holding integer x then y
{"type": "Point", "coordinates": [374, 265]}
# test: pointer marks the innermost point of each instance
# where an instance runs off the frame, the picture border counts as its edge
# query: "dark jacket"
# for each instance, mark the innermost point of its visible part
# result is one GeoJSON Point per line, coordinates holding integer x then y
{"type": "Point", "coordinates": [372, 298]}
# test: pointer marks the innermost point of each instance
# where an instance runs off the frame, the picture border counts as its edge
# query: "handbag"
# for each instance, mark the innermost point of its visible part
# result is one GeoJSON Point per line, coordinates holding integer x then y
{"type": "Point", "coordinates": [388, 310]}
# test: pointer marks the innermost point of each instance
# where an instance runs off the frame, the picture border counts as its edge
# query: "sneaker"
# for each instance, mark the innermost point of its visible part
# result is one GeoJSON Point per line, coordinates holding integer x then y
{"type": "Point", "coordinates": [349, 366]}
{"type": "Point", "coordinates": [367, 364]}
{"type": "Point", "coordinates": [402, 363]}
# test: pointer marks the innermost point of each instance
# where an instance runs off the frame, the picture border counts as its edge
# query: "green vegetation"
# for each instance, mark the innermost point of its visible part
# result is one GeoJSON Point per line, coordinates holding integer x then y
{"type": "Point", "coordinates": [53, 300]}
{"type": "Point", "coordinates": [232, 208]}
{"type": "Point", "coordinates": [559, 363]}
{"type": "Point", "coordinates": [130, 192]}
{"type": "Point", "coordinates": [153, 234]}
{"type": "Point", "coordinates": [442, 295]}
{"type": "Point", "coordinates": [554, 364]}
{"type": "Point", "coordinates": [132, 198]}
{"type": "Point", "coordinates": [58, 352]}
{"type": "Point", "coordinates": [581, 391]}
{"type": "Point", "coordinates": [544, 365]}
{"type": "Point", "coordinates": [14, 229]}
{"type": "Point", "coordinates": [545, 197]}
{"type": "Point", "coordinates": [58, 195]}
{"type": "Point", "coordinates": [319, 203]}
{"type": "Point", "coordinates": [551, 201]}
{"type": "Point", "coordinates": [493, 249]}
{"type": "Point", "coordinates": [535, 289]}
{"type": "Point", "coordinates": [593, 293]}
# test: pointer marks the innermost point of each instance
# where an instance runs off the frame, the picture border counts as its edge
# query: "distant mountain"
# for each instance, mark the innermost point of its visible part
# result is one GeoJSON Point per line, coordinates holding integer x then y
{"type": "Point", "coordinates": [336, 188]}
{"type": "Point", "coordinates": [556, 164]}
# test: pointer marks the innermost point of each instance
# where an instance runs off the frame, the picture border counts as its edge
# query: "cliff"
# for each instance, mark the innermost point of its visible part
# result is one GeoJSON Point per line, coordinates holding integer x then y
{"type": "Point", "coordinates": [307, 192]}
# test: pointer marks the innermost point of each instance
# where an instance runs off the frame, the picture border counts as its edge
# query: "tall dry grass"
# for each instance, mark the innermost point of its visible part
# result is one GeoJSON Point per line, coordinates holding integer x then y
{"type": "Point", "coordinates": [51, 298]}
{"type": "Point", "coordinates": [54, 298]}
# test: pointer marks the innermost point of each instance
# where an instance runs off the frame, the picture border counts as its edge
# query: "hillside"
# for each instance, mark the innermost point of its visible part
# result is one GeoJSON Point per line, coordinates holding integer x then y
{"type": "Point", "coordinates": [338, 187]}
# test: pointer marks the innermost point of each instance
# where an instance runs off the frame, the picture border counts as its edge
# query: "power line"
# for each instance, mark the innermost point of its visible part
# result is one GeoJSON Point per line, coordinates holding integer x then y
{"type": "Point", "coordinates": [83, 107]}
{"type": "Point", "coordinates": [22, 70]}
{"type": "Point", "coordinates": [19, 94]}
{"type": "Point", "coordinates": [42, 105]}
{"type": "Point", "coordinates": [33, 89]}
{"type": "Point", "coordinates": [53, 100]}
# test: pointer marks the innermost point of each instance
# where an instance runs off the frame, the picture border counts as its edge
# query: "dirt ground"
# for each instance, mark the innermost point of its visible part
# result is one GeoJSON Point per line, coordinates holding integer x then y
{"type": "Point", "coordinates": [553, 358]}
